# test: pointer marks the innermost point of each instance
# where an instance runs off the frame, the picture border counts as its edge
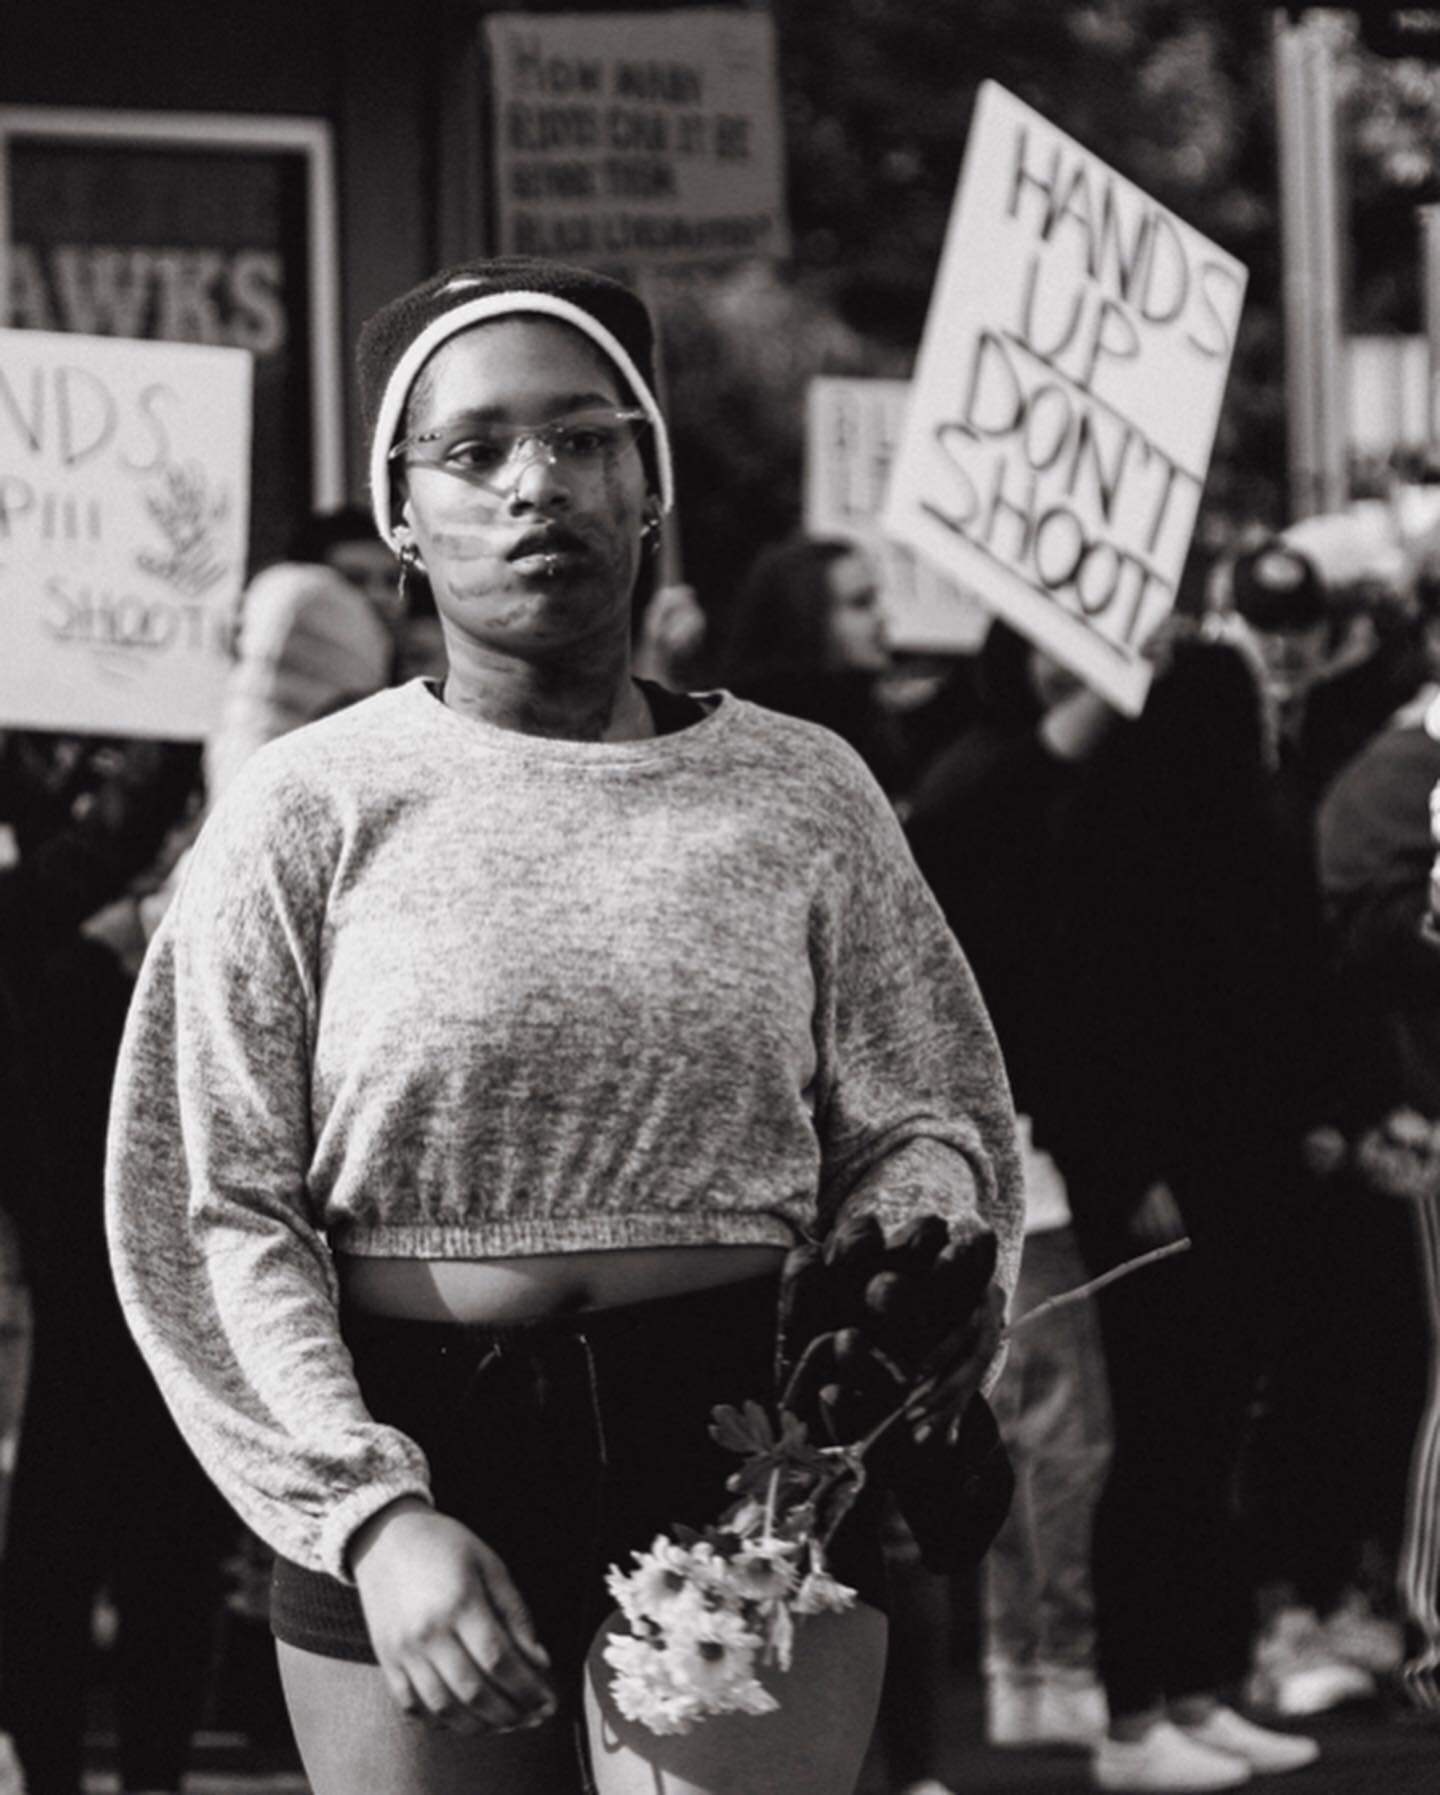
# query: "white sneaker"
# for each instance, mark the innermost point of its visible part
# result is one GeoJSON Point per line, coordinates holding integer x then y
{"type": "Point", "coordinates": [1264, 1750]}
{"type": "Point", "coordinates": [1316, 1689]}
{"type": "Point", "coordinates": [1357, 1635]}
{"type": "Point", "coordinates": [1012, 1703]}
{"type": "Point", "coordinates": [1299, 1669]}
{"type": "Point", "coordinates": [1070, 1707]}
{"type": "Point", "coordinates": [1165, 1759]}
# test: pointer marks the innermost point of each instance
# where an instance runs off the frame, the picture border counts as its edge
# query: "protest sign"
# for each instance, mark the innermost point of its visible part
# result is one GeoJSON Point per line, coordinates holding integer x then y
{"type": "Point", "coordinates": [1066, 395]}
{"type": "Point", "coordinates": [852, 427]}
{"type": "Point", "coordinates": [196, 228]}
{"type": "Point", "coordinates": [639, 140]}
{"type": "Point", "coordinates": [124, 506]}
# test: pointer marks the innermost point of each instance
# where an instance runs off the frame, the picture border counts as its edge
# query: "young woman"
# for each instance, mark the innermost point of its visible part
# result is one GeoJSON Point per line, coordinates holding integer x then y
{"type": "Point", "coordinates": [505, 1033]}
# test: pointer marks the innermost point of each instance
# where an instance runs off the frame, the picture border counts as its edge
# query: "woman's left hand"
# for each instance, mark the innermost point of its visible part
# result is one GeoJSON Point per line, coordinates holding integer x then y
{"type": "Point", "coordinates": [959, 1366]}
{"type": "Point", "coordinates": [913, 1321]}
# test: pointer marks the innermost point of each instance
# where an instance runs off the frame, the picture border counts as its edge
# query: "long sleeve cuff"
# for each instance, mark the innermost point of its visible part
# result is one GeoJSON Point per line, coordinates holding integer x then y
{"type": "Point", "coordinates": [346, 1519]}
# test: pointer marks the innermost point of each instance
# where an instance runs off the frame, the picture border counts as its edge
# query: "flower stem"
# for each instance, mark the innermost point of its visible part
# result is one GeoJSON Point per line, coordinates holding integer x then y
{"type": "Point", "coordinates": [812, 1347]}
{"type": "Point", "coordinates": [1048, 1307]}
{"type": "Point", "coordinates": [1081, 1291]}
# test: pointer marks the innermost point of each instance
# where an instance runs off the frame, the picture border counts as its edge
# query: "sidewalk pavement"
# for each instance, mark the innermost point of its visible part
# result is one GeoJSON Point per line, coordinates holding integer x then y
{"type": "Point", "coordinates": [1366, 1749]}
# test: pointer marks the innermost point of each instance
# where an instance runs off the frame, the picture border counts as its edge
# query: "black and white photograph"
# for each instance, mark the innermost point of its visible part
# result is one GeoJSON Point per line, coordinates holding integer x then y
{"type": "Point", "coordinates": [719, 897]}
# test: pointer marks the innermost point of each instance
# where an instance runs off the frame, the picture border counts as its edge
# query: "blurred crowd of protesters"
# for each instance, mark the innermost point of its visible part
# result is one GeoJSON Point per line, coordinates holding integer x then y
{"type": "Point", "coordinates": [104, 1498]}
{"type": "Point", "coordinates": [1200, 936]}
{"type": "Point", "coordinates": [1203, 937]}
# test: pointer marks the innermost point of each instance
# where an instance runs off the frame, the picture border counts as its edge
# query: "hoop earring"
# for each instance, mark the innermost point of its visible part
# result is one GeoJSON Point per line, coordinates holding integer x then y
{"type": "Point", "coordinates": [650, 534]}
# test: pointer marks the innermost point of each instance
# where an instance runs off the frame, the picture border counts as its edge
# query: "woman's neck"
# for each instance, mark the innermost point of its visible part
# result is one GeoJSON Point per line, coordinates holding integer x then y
{"type": "Point", "coordinates": [590, 704]}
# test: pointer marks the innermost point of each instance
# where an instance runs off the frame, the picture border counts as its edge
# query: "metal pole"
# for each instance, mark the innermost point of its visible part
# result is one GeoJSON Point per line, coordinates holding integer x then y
{"type": "Point", "coordinates": [1310, 242]}
{"type": "Point", "coordinates": [1430, 267]}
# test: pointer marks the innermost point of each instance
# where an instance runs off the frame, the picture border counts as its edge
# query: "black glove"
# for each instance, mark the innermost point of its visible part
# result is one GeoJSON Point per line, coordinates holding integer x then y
{"type": "Point", "coordinates": [918, 1305]}
{"type": "Point", "coordinates": [822, 1287]}
{"type": "Point", "coordinates": [868, 1327]}
{"type": "Point", "coordinates": [954, 1492]}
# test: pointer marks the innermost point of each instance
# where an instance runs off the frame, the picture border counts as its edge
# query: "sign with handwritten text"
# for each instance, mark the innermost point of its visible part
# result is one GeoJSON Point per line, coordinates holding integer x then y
{"type": "Point", "coordinates": [637, 139]}
{"type": "Point", "coordinates": [1066, 395]}
{"type": "Point", "coordinates": [852, 427]}
{"type": "Point", "coordinates": [124, 507]}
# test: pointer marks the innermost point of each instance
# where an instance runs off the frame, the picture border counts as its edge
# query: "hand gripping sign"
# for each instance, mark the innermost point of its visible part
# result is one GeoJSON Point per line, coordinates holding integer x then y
{"type": "Point", "coordinates": [1065, 396]}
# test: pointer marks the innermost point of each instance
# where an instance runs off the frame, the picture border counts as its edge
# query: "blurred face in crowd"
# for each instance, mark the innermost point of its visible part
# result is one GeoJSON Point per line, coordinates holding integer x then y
{"type": "Point", "coordinates": [1292, 659]}
{"type": "Point", "coordinates": [857, 624]}
{"type": "Point", "coordinates": [542, 561]}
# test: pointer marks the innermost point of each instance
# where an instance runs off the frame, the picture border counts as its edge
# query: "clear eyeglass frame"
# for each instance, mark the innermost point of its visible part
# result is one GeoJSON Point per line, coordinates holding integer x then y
{"type": "Point", "coordinates": [486, 455]}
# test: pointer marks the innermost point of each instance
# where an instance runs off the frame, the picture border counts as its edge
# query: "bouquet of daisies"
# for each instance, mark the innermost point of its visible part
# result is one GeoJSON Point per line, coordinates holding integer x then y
{"type": "Point", "coordinates": [707, 1610]}
{"type": "Point", "coordinates": [881, 1350]}
{"type": "Point", "coordinates": [868, 1333]}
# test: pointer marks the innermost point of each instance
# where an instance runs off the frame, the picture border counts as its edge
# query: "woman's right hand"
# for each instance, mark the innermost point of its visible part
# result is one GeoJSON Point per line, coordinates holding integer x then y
{"type": "Point", "coordinates": [450, 1629]}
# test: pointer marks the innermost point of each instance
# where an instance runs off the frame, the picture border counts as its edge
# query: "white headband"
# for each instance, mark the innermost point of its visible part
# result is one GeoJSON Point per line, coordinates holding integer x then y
{"type": "Point", "coordinates": [477, 311]}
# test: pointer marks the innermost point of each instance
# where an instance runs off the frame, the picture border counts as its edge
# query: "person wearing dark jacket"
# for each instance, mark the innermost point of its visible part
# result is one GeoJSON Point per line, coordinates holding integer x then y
{"type": "Point", "coordinates": [104, 1493]}
{"type": "Point", "coordinates": [980, 827]}
{"type": "Point", "coordinates": [1376, 851]}
{"type": "Point", "coordinates": [1136, 946]}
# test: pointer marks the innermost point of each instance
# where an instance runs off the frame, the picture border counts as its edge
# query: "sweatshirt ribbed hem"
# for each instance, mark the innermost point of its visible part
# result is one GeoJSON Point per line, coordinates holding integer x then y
{"type": "Point", "coordinates": [566, 1234]}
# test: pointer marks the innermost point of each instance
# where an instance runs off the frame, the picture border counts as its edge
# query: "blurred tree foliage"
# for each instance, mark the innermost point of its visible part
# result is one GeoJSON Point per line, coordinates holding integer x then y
{"type": "Point", "coordinates": [877, 94]}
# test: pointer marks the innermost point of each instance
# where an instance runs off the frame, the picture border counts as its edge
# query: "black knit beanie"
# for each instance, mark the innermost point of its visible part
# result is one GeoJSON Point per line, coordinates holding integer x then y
{"type": "Point", "coordinates": [401, 337]}
{"type": "Point", "coordinates": [1276, 587]}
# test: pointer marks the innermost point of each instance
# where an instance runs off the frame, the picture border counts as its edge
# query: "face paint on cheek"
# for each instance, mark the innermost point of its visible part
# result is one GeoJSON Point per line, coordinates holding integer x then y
{"type": "Point", "coordinates": [469, 545]}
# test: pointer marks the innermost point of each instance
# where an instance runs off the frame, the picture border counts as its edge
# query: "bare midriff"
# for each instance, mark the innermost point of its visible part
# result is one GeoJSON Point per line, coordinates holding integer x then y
{"type": "Point", "coordinates": [500, 1290]}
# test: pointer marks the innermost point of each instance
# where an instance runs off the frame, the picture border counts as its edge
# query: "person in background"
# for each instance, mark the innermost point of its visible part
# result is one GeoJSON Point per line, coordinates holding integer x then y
{"type": "Point", "coordinates": [316, 631]}
{"type": "Point", "coordinates": [808, 639]}
{"type": "Point", "coordinates": [1339, 652]}
{"type": "Point", "coordinates": [981, 823]}
{"type": "Point", "coordinates": [505, 1033]}
{"type": "Point", "coordinates": [1375, 859]}
{"type": "Point", "coordinates": [1122, 884]}
{"type": "Point", "coordinates": [106, 1496]}
{"type": "Point", "coordinates": [1175, 944]}
{"type": "Point", "coordinates": [670, 633]}
{"type": "Point", "coordinates": [1339, 635]}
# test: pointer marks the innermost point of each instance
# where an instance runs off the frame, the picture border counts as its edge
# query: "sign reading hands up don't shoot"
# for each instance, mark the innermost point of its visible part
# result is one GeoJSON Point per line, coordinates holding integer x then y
{"type": "Point", "coordinates": [1065, 396]}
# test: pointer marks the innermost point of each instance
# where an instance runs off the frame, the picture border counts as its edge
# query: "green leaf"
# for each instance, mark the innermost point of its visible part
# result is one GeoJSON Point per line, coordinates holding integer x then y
{"type": "Point", "coordinates": [740, 1431]}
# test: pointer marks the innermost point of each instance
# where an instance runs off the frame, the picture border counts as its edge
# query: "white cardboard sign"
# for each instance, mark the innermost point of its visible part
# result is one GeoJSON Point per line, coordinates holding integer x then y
{"type": "Point", "coordinates": [124, 510]}
{"type": "Point", "coordinates": [1066, 395]}
{"type": "Point", "coordinates": [637, 139]}
{"type": "Point", "coordinates": [852, 427]}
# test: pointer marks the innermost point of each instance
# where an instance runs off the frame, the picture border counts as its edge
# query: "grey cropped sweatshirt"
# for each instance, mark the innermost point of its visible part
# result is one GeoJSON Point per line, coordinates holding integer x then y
{"type": "Point", "coordinates": [435, 989]}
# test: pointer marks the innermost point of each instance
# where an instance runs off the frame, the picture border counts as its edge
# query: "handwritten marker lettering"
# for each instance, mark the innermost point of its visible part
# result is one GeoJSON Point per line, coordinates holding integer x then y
{"type": "Point", "coordinates": [1065, 396]}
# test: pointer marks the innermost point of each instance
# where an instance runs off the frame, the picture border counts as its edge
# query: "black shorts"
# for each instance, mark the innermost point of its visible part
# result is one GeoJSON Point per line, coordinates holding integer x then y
{"type": "Point", "coordinates": [566, 1444]}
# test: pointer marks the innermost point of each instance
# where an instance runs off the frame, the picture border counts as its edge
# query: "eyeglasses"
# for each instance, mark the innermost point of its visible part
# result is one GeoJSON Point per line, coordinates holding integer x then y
{"type": "Point", "coordinates": [488, 454]}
